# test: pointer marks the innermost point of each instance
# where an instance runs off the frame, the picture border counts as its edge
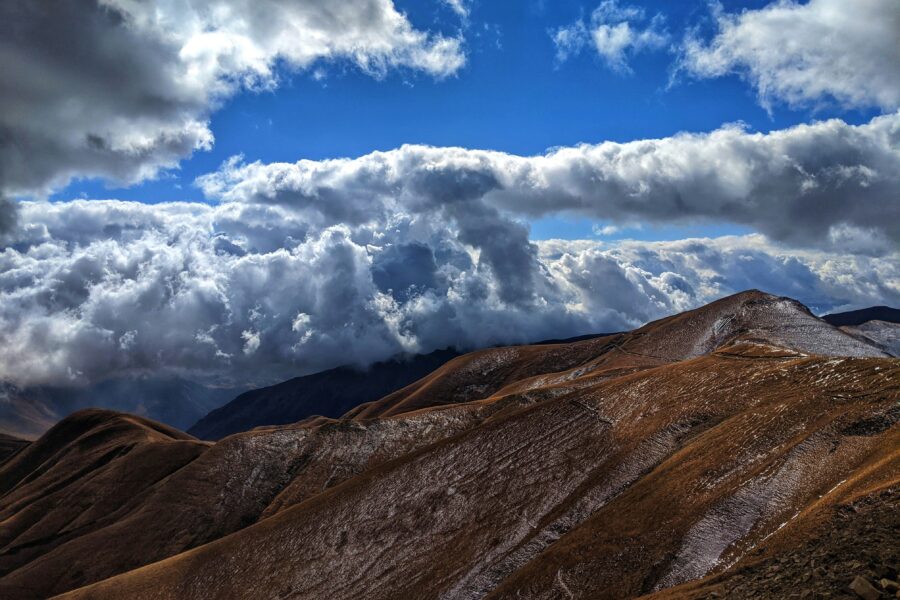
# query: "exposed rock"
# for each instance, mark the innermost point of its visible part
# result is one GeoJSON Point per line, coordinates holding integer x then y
{"type": "Point", "coordinates": [865, 590]}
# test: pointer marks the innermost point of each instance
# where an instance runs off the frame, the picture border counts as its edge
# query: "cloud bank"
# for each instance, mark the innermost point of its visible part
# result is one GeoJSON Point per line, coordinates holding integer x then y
{"type": "Point", "coordinates": [804, 53]}
{"type": "Point", "coordinates": [828, 184]}
{"type": "Point", "coordinates": [301, 267]}
{"type": "Point", "coordinates": [298, 267]}
{"type": "Point", "coordinates": [121, 89]}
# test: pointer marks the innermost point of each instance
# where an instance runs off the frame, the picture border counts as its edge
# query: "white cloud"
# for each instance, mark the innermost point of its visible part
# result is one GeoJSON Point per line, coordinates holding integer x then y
{"type": "Point", "coordinates": [460, 7]}
{"type": "Point", "coordinates": [803, 185]}
{"type": "Point", "coordinates": [255, 293]}
{"type": "Point", "coordinates": [121, 89]}
{"type": "Point", "coordinates": [808, 53]}
{"type": "Point", "coordinates": [303, 266]}
{"type": "Point", "coordinates": [606, 230]}
{"type": "Point", "coordinates": [251, 341]}
{"type": "Point", "coordinates": [615, 32]}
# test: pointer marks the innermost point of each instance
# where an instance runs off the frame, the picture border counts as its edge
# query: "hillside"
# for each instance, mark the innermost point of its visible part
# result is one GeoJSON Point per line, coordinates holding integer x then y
{"type": "Point", "coordinates": [687, 457]}
{"type": "Point", "coordinates": [883, 334]}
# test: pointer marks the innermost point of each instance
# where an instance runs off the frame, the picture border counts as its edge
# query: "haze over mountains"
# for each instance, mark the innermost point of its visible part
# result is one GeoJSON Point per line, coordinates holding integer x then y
{"type": "Point", "coordinates": [690, 456]}
{"type": "Point", "coordinates": [30, 411]}
{"type": "Point", "coordinates": [212, 413]}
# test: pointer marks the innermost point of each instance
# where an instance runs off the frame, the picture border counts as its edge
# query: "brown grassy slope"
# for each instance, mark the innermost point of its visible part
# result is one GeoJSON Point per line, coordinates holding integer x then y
{"type": "Point", "coordinates": [646, 480]}
{"type": "Point", "coordinates": [480, 374]}
{"type": "Point", "coordinates": [234, 483]}
{"type": "Point", "coordinates": [816, 556]}
{"type": "Point", "coordinates": [722, 494]}
{"type": "Point", "coordinates": [76, 479]}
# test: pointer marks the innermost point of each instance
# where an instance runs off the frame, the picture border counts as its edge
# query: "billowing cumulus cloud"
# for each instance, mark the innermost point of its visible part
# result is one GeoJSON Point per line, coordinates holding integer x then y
{"type": "Point", "coordinates": [828, 184]}
{"type": "Point", "coordinates": [121, 89]}
{"type": "Point", "coordinates": [807, 53]}
{"type": "Point", "coordinates": [253, 292]}
{"type": "Point", "coordinates": [615, 32]}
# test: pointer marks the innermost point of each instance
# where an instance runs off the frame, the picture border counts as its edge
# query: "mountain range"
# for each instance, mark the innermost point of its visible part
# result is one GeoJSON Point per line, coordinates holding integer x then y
{"type": "Point", "coordinates": [29, 411]}
{"type": "Point", "coordinates": [745, 448]}
{"type": "Point", "coordinates": [207, 413]}
{"type": "Point", "coordinates": [329, 393]}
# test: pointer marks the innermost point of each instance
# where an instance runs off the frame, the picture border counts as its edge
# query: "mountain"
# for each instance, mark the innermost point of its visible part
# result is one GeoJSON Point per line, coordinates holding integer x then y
{"type": "Point", "coordinates": [737, 450]}
{"type": "Point", "coordinates": [858, 317]}
{"type": "Point", "coordinates": [328, 393]}
{"type": "Point", "coordinates": [75, 481]}
{"type": "Point", "coordinates": [752, 316]}
{"type": "Point", "coordinates": [30, 411]}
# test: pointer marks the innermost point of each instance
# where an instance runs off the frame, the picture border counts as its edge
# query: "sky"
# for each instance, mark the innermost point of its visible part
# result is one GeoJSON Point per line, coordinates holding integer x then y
{"type": "Point", "coordinates": [241, 191]}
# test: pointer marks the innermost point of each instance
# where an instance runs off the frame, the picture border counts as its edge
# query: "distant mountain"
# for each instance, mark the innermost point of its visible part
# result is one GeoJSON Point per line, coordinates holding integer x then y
{"type": "Point", "coordinates": [10, 446]}
{"type": "Point", "coordinates": [863, 315]}
{"type": "Point", "coordinates": [688, 459]}
{"type": "Point", "coordinates": [29, 411]}
{"type": "Point", "coordinates": [329, 393]}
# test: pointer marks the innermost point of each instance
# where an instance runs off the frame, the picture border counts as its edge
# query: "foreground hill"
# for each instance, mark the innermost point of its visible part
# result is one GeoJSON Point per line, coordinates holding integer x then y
{"type": "Point", "coordinates": [682, 458]}
{"type": "Point", "coordinates": [330, 393]}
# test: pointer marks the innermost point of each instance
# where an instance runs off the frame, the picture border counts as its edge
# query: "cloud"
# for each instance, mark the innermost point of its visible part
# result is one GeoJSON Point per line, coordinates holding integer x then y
{"type": "Point", "coordinates": [605, 230]}
{"type": "Point", "coordinates": [299, 267]}
{"type": "Point", "coordinates": [120, 90]}
{"type": "Point", "coordinates": [805, 54]}
{"type": "Point", "coordinates": [828, 184]}
{"type": "Point", "coordinates": [254, 293]}
{"type": "Point", "coordinates": [615, 32]}
{"type": "Point", "coordinates": [461, 7]}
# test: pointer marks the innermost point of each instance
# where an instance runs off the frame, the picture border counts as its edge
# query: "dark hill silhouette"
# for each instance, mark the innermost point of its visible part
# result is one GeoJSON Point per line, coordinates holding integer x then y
{"type": "Point", "coordinates": [9, 446]}
{"type": "Point", "coordinates": [670, 460]}
{"type": "Point", "coordinates": [329, 393]}
{"type": "Point", "coordinates": [28, 412]}
{"type": "Point", "coordinates": [863, 315]}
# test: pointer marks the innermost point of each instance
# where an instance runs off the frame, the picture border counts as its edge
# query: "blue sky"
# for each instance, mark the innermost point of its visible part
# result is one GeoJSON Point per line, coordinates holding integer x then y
{"type": "Point", "coordinates": [513, 95]}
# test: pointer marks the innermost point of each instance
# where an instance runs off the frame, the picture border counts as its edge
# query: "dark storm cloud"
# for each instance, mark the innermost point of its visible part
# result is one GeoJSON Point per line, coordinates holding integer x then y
{"type": "Point", "coordinates": [404, 270]}
{"type": "Point", "coordinates": [84, 93]}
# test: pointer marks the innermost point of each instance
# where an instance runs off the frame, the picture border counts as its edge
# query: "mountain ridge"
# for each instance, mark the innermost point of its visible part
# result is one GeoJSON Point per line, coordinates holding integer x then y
{"type": "Point", "coordinates": [733, 426]}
